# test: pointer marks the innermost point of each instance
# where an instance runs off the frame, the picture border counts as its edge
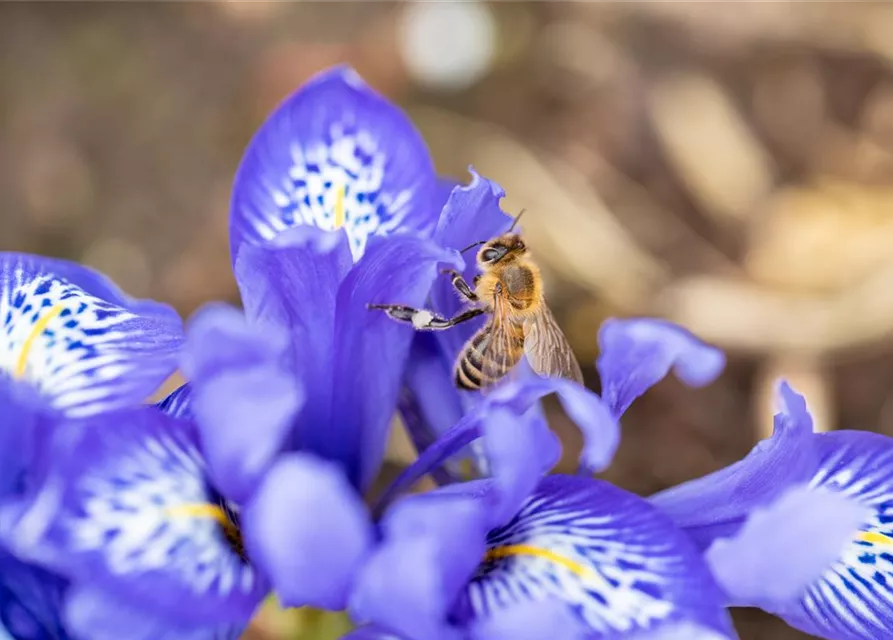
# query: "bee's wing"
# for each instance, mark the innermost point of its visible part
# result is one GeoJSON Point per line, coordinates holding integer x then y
{"type": "Point", "coordinates": [547, 349]}
{"type": "Point", "coordinates": [503, 347]}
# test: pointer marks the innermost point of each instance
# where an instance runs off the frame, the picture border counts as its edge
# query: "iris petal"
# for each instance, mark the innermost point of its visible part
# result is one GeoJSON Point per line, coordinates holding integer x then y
{"type": "Point", "coordinates": [471, 214]}
{"type": "Point", "coordinates": [99, 615]}
{"type": "Point", "coordinates": [717, 504]}
{"type": "Point", "coordinates": [369, 633]}
{"type": "Point", "coordinates": [178, 404]}
{"type": "Point", "coordinates": [853, 598]}
{"type": "Point", "coordinates": [30, 600]}
{"type": "Point", "coordinates": [767, 562]}
{"type": "Point", "coordinates": [334, 154]}
{"type": "Point", "coordinates": [544, 619]}
{"type": "Point", "coordinates": [238, 380]}
{"type": "Point", "coordinates": [371, 350]}
{"type": "Point", "coordinates": [518, 458]}
{"type": "Point", "coordinates": [429, 402]}
{"type": "Point", "coordinates": [684, 630]}
{"type": "Point", "coordinates": [534, 449]}
{"type": "Point", "coordinates": [19, 413]}
{"type": "Point", "coordinates": [131, 511]}
{"type": "Point", "coordinates": [460, 435]}
{"type": "Point", "coordinates": [294, 286]}
{"type": "Point", "coordinates": [606, 554]}
{"type": "Point", "coordinates": [78, 339]}
{"type": "Point", "coordinates": [601, 433]}
{"type": "Point", "coordinates": [638, 353]}
{"type": "Point", "coordinates": [432, 544]}
{"type": "Point", "coordinates": [308, 530]}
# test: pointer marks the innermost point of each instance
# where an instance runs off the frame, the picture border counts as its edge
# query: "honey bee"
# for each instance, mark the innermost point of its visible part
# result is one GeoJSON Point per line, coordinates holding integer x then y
{"type": "Point", "coordinates": [509, 290]}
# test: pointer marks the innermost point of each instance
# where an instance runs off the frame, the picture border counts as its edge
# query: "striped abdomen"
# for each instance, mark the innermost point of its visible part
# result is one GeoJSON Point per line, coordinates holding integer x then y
{"type": "Point", "coordinates": [489, 355]}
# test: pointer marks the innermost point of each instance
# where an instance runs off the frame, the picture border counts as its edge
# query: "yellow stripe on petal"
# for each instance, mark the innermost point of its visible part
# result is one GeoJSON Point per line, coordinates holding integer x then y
{"type": "Point", "coordinates": [199, 510]}
{"type": "Point", "coordinates": [214, 512]}
{"type": "Point", "coordinates": [339, 206]}
{"type": "Point", "coordinates": [874, 537]}
{"type": "Point", "coordinates": [536, 552]}
{"type": "Point", "coordinates": [36, 331]}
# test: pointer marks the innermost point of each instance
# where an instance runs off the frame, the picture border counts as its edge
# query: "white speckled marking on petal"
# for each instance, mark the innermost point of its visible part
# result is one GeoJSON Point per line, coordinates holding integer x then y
{"type": "Point", "coordinates": [83, 353]}
{"type": "Point", "coordinates": [137, 511]}
{"type": "Point", "coordinates": [620, 567]}
{"type": "Point", "coordinates": [854, 598]}
{"type": "Point", "coordinates": [337, 183]}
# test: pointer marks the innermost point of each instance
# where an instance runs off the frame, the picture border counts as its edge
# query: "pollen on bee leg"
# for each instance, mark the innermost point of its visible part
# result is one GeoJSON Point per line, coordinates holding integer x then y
{"type": "Point", "coordinates": [422, 319]}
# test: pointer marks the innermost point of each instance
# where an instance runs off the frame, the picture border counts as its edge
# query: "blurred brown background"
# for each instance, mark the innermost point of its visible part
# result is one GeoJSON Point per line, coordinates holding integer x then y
{"type": "Point", "coordinates": [725, 165]}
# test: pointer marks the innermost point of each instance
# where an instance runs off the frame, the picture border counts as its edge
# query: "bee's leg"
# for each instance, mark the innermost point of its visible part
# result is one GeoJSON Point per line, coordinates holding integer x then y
{"type": "Point", "coordinates": [423, 319]}
{"type": "Point", "coordinates": [461, 286]}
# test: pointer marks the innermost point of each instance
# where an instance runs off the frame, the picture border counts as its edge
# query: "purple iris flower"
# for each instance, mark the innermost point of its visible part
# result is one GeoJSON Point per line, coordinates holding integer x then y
{"type": "Point", "coordinates": [73, 346]}
{"type": "Point", "coordinates": [522, 554]}
{"type": "Point", "coordinates": [128, 526]}
{"type": "Point", "coordinates": [333, 207]}
{"type": "Point", "coordinates": [802, 527]}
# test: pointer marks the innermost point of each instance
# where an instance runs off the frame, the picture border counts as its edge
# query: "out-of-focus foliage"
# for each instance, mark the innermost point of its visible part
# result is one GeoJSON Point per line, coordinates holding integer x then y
{"type": "Point", "coordinates": [726, 166]}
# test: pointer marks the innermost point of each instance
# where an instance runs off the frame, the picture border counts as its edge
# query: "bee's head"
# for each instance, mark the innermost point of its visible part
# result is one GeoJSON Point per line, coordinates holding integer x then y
{"type": "Point", "coordinates": [508, 245]}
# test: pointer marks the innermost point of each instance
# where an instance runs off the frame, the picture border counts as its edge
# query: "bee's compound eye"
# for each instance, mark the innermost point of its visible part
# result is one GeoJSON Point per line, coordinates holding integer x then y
{"type": "Point", "coordinates": [490, 255]}
{"type": "Point", "coordinates": [519, 245]}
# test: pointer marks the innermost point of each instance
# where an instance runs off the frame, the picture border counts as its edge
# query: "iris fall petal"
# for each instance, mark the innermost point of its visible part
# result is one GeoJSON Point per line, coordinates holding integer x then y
{"type": "Point", "coordinates": [80, 341]}
{"type": "Point", "coordinates": [615, 564]}
{"type": "Point", "coordinates": [717, 504]}
{"type": "Point", "coordinates": [604, 553]}
{"type": "Point", "coordinates": [30, 600]}
{"type": "Point", "coordinates": [335, 154]}
{"type": "Point", "coordinates": [133, 513]}
{"type": "Point", "coordinates": [99, 615]}
{"type": "Point", "coordinates": [545, 619]}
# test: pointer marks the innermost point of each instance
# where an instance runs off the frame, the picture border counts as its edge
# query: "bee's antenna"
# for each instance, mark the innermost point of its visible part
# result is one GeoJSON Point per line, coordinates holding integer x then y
{"type": "Point", "coordinates": [472, 246]}
{"type": "Point", "coordinates": [517, 217]}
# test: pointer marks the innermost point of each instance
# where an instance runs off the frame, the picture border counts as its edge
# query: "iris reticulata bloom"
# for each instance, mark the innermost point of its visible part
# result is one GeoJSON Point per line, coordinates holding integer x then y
{"type": "Point", "coordinates": [820, 550]}
{"type": "Point", "coordinates": [335, 155]}
{"type": "Point", "coordinates": [72, 347]}
{"type": "Point", "coordinates": [175, 521]}
{"type": "Point", "coordinates": [592, 560]}
{"type": "Point", "coordinates": [128, 514]}
{"type": "Point", "coordinates": [332, 208]}
{"type": "Point", "coordinates": [333, 205]}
